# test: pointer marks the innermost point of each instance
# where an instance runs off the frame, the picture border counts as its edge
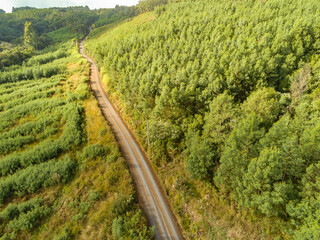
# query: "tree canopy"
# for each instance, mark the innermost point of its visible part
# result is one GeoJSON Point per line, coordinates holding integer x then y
{"type": "Point", "coordinates": [232, 87]}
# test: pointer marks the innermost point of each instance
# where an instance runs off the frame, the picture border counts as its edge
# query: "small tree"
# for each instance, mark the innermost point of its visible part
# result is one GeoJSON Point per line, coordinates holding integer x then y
{"type": "Point", "coordinates": [300, 82]}
{"type": "Point", "coordinates": [201, 160]}
{"type": "Point", "coordinates": [221, 119]}
{"type": "Point", "coordinates": [30, 36]}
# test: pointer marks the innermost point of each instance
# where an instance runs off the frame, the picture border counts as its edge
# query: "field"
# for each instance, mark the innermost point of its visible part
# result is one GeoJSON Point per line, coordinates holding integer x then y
{"type": "Point", "coordinates": [61, 173]}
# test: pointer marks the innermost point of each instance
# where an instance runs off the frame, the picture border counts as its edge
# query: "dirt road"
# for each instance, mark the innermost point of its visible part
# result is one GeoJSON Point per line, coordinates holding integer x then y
{"type": "Point", "coordinates": [150, 192]}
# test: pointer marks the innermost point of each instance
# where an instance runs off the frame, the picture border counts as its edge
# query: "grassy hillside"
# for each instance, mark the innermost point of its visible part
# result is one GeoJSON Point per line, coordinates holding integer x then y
{"type": "Point", "coordinates": [61, 173]}
{"type": "Point", "coordinates": [230, 92]}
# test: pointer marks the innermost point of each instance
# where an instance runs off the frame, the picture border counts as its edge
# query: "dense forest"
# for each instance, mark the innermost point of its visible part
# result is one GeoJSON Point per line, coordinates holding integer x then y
{"type": "Point", "coordinates": [62, 175]}
{"type": "Point", "coordinates": [227, 93]}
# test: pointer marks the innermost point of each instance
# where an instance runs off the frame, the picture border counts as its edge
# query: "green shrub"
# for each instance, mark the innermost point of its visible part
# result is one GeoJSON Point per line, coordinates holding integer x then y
{"type": "Point", "coordinates": [71, 136]}
{"type": "Point", "coordinates": [8, 117]}
{"type": "Point", "coordinates": [34, 72]}
{"type": "Point", "coordinates": [35, 177]}
{"type": "Point", "coordinates": [93, 151]}
{"type": "Point", "coordinates": [131, 227]}
{"type": "Point", "coordinates": [13, 144]}
{"type": "Point", "coordinates": [24, 216]}
{"type": "Point", "coordinates": [47, 57]}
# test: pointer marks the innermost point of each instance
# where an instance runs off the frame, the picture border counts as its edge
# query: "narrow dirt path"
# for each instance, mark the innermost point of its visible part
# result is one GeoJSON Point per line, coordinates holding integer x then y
{"type": "Point", "coordinates": [151, 195]}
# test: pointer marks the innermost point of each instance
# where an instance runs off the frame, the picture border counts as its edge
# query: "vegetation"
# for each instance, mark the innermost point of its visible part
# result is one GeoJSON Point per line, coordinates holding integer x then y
{"type": "Point", "coordinates": [22, 217]}
{"type": "Point", "coordinates": [229, 90]}
{"type": "Point", "coordinates": [43, 21]}
{"type": "Point", "coordinates": [112, 15]}
{"type": "Point", "coordinates": [224, 95]}
{"type": "Point", "coordinates": [61, 173]}
{"type": "Point", "coordinates": [26, 30]}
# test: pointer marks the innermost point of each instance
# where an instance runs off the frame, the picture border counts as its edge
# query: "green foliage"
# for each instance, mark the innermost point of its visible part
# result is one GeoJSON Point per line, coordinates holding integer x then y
{"type": "Point", "coordinates": [42, 123]}
{"type": "Point", "coordinates": [149, 5]}
{"type": "Point", "coordinates": [93, 151]}
{"type": "Point", "coordinates": [82, 91]}
{"type": "Point", "coordinates": [47, 57]}
{"type": "Point", "coordinates": [232, 87]}
{"type": "Point", "coordinates": [36, 177]}
{"type": "Point", "coordinates": [77, 19]}
{"type": "Point", "coordinates": [14, 56]}
{"type": "Point", "coordinates": [202, 158]}
{"type": "Point", "coordinates": [30, 36]}
{"type": "Point", "coordinates": [265, 104]}
{"type": "Point", "coordinates": [66, 234]}
{"type": "Point", "coordinates": [61, 35]}
{"type": "Point", "coordinates": [13, 211]}
{"type": "Point", "coordinates": [122, 205]}
{"type": "Point", "coordinates": [131, 227]}
{"type": "Point", "coordinates": [266, 185]}
{"type": "Point", "coordinates": [8, 117]}
{"type": "Point", "coordinates": [30, 128]}
{"type": "Point", "coordinates": [241, 146]}
{"type": "Point", "coordinates": [109, 16]}
{"type": "Point", "coordinates": [11, 89]}
{"type": "Point", "coordinates": [30, 97]}
{"type": "Point", "coordinates": [34, 72]}
{"type": "Point", "coordinates": [306, 215]}
{"type": "Point", "coordinates": [221, 119]}
{"type": "Point", "coordinates": [14, 144]}
{"type": "Point", "coordinates": [22, 217]}
{"type": "Point", "coordinates": [175, 65]}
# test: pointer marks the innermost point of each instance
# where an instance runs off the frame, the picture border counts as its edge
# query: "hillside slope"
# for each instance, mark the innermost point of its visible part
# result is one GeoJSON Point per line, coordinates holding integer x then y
{"type": "Point", "coordinates": [228, 92]}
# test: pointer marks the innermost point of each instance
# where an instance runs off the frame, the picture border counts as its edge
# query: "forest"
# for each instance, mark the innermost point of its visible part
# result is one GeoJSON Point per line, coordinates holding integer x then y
{"type": "Point", "coordinates": [62, 175]}
{"type": "Point", "coordinates": [227, 93]}
{"type": "Point", "coordinates": [223, 95]}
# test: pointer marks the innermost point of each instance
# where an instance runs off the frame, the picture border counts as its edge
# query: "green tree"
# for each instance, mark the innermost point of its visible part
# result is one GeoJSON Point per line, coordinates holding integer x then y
{"type": "Point", "coordinates": [240, 148]}
{"type": "Point", "coordinates": [264, 102]}
{"type": "Point", "coordinates": [201, 159]}
{"type": "Point", "coordinates": [30, 36]}
{"type": "Point", "coordinates": [221, 119]}
{"type": "Point", "coordinates": [266, 185]}
{"type": "Point", "coordinates": [306, 214]}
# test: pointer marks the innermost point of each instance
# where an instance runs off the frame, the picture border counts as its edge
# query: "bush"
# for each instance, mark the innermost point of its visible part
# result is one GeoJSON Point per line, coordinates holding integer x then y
{"type": "Point", "coordinates": [47, 57]}
{"type": "Point", "coordinates": [34, 72]}
{"type": "Point", "coordinates": [93, 151]}
{"type": "Point", "coordinates": [71, 136]}
{"type": "Point", "coordinates": [35, 177]}
{"type": "Point", "coordinates": [22, 217]}
{"type": "Point", "coordinates": [13, 144]}
{"type": "Point", "coordinates": [36, 106]}
{"type": "Point", "coordinates": [131, 226]}
{"type": "Point", "coordinates": [13, 211]}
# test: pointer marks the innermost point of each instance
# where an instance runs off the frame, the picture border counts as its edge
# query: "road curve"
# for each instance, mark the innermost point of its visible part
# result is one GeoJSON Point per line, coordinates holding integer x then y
{"type": "Point", "coordinates": [151, 196]}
